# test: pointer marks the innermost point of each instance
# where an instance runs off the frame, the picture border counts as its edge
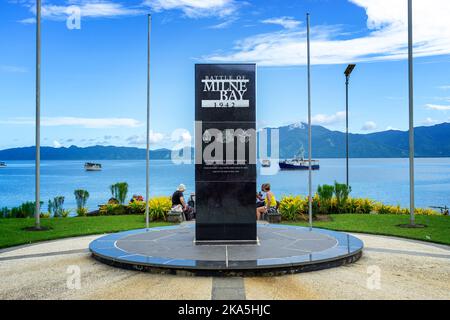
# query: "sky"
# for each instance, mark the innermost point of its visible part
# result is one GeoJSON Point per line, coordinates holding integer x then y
{"type": "Point", "coordinates": [94, 72]}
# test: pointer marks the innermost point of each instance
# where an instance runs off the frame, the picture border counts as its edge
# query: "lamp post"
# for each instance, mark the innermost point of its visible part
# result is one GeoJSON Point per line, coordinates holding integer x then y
{"type": "Point", "coordinates": [411, 113]}
{"type": "Point", "coordinates": [37, 210]}
{"type": "Point", "coordinates": [347, 73]}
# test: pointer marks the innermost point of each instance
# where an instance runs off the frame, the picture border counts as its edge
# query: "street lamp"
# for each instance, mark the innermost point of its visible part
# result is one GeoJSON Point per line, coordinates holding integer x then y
{"type": "Point", "coordinates": [347, 73]}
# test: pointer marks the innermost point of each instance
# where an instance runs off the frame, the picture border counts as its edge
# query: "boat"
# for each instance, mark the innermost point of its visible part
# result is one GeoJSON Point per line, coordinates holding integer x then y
{"type": "Point", "coordinates": [265, 163]}
{"type": "Point", "coordinates": [89, 166]}
{"type": "Point", "coordinates": [299, 163]}
{"type": "Point", "coordinates": [2, 164]}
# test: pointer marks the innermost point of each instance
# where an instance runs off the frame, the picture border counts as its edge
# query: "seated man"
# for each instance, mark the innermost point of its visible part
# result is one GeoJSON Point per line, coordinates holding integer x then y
{"type": "Point", "coordinates": [178, 201]}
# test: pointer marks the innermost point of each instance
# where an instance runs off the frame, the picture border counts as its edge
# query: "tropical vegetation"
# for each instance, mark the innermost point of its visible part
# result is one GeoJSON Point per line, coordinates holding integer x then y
{"type": "Point", "coordinates": [81, 197]}
{"type": "Point", "coordinates": [335, 199]}
{"type": "Point", "coordinates": [119, 191]}
{"type": "Point", "coordinates": [56, 208]}
{"type": "Point", "coordinates": [158, 208]}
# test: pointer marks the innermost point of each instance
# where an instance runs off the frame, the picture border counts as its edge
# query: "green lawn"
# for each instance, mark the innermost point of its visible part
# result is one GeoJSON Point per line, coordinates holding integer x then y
{"type": "Point", "coordinates": [12, 233]}
{"type": "Point", "coordinates": [438, 229]}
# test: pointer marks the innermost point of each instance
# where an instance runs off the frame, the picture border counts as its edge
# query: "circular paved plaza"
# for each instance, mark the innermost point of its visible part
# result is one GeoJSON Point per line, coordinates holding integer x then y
{"type": "Point", "coordinates": [391, 268]}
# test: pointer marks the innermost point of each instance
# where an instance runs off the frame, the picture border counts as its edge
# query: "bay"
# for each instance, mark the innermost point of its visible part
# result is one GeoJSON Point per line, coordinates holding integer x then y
{"type": "Point", "coordinates": [385, 180]}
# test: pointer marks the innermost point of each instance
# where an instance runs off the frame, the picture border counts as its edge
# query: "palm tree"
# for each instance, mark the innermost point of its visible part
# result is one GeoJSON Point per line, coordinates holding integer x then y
{"type": "Point", "coordinates": [81, 197]}
{"type": "Point", "coordinates": [119, 191]}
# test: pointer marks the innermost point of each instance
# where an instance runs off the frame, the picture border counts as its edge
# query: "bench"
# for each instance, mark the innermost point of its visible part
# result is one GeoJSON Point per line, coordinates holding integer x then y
{"type": "Point", "coordinates": [175, 216]}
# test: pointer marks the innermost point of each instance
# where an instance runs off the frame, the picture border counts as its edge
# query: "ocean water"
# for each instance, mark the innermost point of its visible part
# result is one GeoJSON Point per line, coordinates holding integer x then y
{"type": "Point", "coordinates": [384, 180]}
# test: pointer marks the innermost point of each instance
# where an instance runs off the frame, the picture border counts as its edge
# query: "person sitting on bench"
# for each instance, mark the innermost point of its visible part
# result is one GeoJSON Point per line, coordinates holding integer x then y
{"type": "Point", "coordinates": [179, 202]}
{"type": "Point", "coordinates": [270, 202]}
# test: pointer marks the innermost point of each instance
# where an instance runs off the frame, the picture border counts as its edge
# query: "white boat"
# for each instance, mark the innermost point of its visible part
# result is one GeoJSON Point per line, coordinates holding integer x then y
{"type": "Point", "coordinates": [89, 166]}
{"type": "Point", "coordinates": [2, 164]}
{"type": "Point", "coordinates": [265, 163]}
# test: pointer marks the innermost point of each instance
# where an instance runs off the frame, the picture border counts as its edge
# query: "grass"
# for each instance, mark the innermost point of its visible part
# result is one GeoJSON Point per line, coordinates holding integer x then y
{"type": "Point", "coordinates": [438, 230]}
{"type": "Point", "coordinates": [12, 233]}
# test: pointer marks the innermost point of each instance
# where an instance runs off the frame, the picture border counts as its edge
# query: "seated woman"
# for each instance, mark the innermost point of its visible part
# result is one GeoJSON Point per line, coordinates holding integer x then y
{"type": "Point", "coordinates": [270, 201]}
{"type": "Point", "coordinates": [178, 201]}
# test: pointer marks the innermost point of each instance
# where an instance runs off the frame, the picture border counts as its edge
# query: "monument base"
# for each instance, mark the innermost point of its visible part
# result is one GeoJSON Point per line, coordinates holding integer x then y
{"type": "Point", "coordinates": [281, 250]}
{"type": "Point", "coordinates": [225, 242]}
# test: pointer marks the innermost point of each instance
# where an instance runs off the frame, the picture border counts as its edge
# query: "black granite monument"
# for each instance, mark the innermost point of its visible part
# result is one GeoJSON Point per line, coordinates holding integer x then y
{"type": "Point", "coordinates": [225, 168]}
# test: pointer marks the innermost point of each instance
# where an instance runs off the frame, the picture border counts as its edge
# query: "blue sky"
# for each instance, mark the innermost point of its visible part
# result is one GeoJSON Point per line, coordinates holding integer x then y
{"type": "Point", "coordinates": [94, 78]}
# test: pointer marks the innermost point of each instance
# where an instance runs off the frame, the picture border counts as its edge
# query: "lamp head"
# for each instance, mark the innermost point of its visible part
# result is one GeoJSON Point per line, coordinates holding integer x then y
{"type": "Point", "coordinates": [349, 69]}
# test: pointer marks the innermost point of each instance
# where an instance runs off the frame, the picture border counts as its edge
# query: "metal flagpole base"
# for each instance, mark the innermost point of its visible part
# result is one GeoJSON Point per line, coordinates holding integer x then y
{"type": "Point", "coordinates": [412, 226]}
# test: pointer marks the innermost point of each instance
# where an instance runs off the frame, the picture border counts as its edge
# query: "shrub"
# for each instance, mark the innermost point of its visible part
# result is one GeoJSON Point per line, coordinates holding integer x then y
{"type": "Point", "coordinates": [25, 210]}
{"type": "Point", "coordinates": [341, 191]}
{"type": "Point", "coordinates": [425, 212]}
{"type": "Point", "coordinates": [290, 207]}
{"type": "Point", "coordinates": [82, 212]}
{"type": "Point", "coordinates": [113, 210]}
{"type": "Point", "coordinates": [55, 207]}
{"type": "Point", "coordinates": [136, 207]}
{"type": "Point", "coordinates": [4, 212]}
{"type": "Point", "coordinates": [81, 196]}
{"type": "Point", "coordinates": [159, 207]}
{"type": "Point", "coordinates": [325, 195]}
{"type": "Point", "coordinates": [359, 205]}
{"type": "Point", "coordinates": [119, 191]}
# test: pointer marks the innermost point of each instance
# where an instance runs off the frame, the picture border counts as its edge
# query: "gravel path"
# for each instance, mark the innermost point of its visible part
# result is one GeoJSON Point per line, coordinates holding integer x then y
{"type": "Point", "coordinates": [390, 268]}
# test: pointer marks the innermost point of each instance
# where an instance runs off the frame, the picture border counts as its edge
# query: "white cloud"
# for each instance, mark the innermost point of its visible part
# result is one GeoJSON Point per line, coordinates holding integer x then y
{"type": "Point", "coordinates": [12, 69]}
{"type": "Point", "coordinates": [429, 121]}
{"type": "Point", "coordinates": [437, 107]}
{"type": "Point", "coordinates": [196, 8]}
{"type": "Point", "coordinates": [285, 22]}
{"type": "Point", "coordinates": [390, 128]}
{"type": "Point", "coordinates": [88, 9]}
{"type": "Point", "coordinates": [369, 126]}
{"type": "Point", "coordinates": [91, 123]}
{"type": "Point", "coordinates": [386, 38]}
{"type": "Point", "coordinates": [444, 87]}
{"type": "Point", "coordinates": [324, 119]}
{"type": "Point", "coordinates": [224, 24]}
{"type": "Point", "coordinates": [155, 138]}
{"type": "Point", "coordinates": [56, 144]}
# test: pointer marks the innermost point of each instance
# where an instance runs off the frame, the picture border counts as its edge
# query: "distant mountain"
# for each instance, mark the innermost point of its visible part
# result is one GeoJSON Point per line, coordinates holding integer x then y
{"type": "Point", "coordinates": [431, 141]}
{"type": "Point", "coordinates": [88, 153]}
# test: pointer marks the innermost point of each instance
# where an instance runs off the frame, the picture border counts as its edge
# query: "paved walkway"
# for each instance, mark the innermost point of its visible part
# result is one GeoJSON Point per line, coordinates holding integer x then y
{"type": "Point", "coordinates": [390, 268]}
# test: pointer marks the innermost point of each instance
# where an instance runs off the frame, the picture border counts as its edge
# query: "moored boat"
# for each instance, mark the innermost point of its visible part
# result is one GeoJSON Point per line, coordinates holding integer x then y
{"type": "Point", "coordinates": [299, 164]}
{"type": "Point", "coordinates": [89, 166]}
{"type": "Point", "coordinates": [265, 163]}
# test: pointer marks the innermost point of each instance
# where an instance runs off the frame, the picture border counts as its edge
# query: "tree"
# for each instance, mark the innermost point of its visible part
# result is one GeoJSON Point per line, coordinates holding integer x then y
{"type": "Point", "coordinates": [81, 196]}
{"type": "Point", "coordinates": [119, 191]}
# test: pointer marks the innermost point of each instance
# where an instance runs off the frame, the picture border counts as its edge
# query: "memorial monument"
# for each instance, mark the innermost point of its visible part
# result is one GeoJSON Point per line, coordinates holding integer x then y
{"type": "Point", "coordinates": [225, 172]}
{"type": "Point", "coordinates": [225, 161]}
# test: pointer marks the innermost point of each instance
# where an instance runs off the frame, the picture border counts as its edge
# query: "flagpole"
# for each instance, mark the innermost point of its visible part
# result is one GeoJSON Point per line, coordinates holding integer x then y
{"type": "Point", "coordinates": [309, 125]}
{"type": "Point", "coordinates": [147, 164]}
{"type": "Point", "coordinates": [37, 211]}
{"type": "Point", "coordinates": [411, 112]}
